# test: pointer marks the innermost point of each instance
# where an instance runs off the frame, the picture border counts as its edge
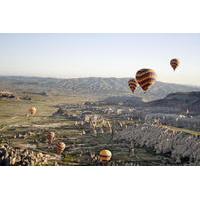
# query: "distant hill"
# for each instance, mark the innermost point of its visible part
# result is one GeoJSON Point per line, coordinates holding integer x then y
{"type": "Point", "coordinates": [104, 87]}
{"type": "Point", "coordinates": [178, 102]}
{"type": "Point", "coordinates": [181, 101]}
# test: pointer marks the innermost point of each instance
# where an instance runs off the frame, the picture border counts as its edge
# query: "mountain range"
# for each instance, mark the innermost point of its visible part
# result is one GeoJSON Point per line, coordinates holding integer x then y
{"type": "Point", "coordinates": [103, 87]}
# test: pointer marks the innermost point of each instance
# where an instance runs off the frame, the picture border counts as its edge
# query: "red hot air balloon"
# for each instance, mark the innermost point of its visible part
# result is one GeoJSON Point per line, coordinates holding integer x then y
{"type": "Point", "coordinates": [146, 78]}
{"type": "Point", "coordinates": [50, 137]}
{"type": "Point", "coordinates": [60, 147]}
{"type": "Point", "coordinates": [132, 84]}
{"type": "Point", "coordinates": [174, 63]}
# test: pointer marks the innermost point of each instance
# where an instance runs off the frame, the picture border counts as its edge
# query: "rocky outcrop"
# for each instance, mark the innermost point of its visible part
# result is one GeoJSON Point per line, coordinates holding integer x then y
{"type": "Point", "coordinates": [183, 148]}
{"type": "Point", "coordinates": [6, 94]}
{"type": "Point", "coordinates": [10, 156]}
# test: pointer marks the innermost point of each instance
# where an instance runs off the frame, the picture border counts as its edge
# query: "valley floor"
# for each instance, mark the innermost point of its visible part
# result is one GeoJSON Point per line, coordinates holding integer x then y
{"type": "Point", "coordinates": [24, 139]}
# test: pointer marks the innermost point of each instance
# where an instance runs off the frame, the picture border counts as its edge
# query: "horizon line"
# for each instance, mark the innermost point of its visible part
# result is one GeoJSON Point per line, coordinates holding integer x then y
{"type": "Point", "coordinates": [47, 77]}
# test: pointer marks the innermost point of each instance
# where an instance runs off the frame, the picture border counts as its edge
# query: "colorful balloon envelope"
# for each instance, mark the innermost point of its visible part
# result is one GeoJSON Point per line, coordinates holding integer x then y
{"type": "Point", "coordinates": [174, 63]}
{"type": "Point", "coordinates": [32, 110]}
{"type": "Point", "coordinates": [60, 147]}
{"type": "Point", "coordinates": [146, 78]}
{"type": "Point", "coordinates": [132, 84]}
{"type": "Point", "coordinates": [50, 137]}
{"type": "Point", "coordinates": [105, 155]}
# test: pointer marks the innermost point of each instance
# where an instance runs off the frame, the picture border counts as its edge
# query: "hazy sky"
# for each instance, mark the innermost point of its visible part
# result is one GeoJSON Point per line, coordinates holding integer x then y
{"type": "Point", "coordinates": [105, 55]}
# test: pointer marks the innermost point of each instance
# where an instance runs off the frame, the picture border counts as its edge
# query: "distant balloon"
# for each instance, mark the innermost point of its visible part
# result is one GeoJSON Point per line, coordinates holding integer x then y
{"type": "Point", "coordinates": [32, 111]}
{"type": "Point", "coordinates": [50, 137]}
{"type": "Point", "coordinates": [105, 155]}
{"type": "Point", "coordinates": [146, 78]}
{"type": "Point", "coordinates": [174, 63]}
{"type": "Point", "coordinates": [60, 147]}
{"type": "Point", "coordinates": [132, 84]}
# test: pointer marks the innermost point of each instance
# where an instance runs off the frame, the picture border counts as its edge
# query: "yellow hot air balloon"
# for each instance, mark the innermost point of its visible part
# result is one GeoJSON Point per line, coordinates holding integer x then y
{"type": "Point", "coordinates": [174, 63]}
{"type": "Point", "coordinates": [33, 111]}
{"type": "Point", "coordinates": [105, 155]}
{"type": "Point", "coordinates": [60, 147]}
{"type": "Point", "coordinates": [146, 78]}
{"type": "Point", "coordinates": [50, 137]}
{"type": "Point", "coordinates": [132, 84]}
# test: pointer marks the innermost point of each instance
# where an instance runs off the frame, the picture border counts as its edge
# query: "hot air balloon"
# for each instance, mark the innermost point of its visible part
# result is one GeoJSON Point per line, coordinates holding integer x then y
{"type": "Point", "coordinates": [60, 147]}
{"type": "Point", "coordinates": [105, 155]}
{"type": "Point", "coordinates": [132, 84]}
{"type": "Point", "coordinates": [146, 78]}
{"type": "Point", "coordinates": [32, 111]}
{"type": "Point", "coordinates": [50, 137]}
{"type": "Point", "coordinates": [174, 63]}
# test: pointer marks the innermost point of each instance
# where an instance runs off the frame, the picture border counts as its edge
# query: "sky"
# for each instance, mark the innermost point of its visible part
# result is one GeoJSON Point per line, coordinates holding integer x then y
{"type": "Point", "coordinates": [100, 55]}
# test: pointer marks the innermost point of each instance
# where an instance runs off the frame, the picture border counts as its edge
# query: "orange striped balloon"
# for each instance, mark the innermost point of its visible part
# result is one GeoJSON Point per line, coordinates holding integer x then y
{"type": "Point", "coordinates": [174, 63]}
{"type": "Point", "coordinates": [60, 147]}
{"type": "Point", "coordinates": [146, 78]}
{"type": "Point", "coordinates": [32, 111]}
{"type": "Point", "coordinates": [132, 84]}
{"type": "Point", "coordinates": [50, 137]}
